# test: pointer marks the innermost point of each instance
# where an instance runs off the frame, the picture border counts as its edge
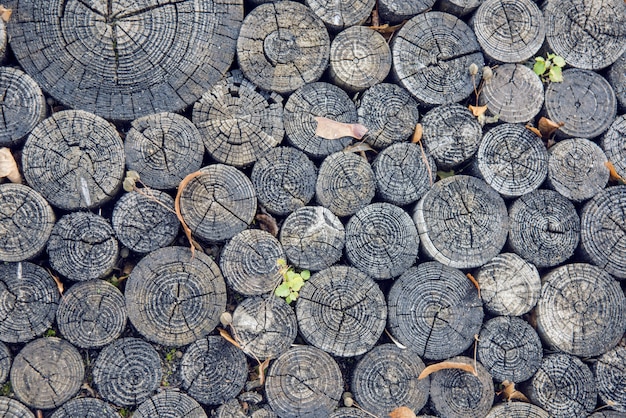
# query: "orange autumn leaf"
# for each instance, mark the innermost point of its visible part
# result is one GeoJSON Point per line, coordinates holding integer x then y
{"type": "Point", "coordinates": [417, 133]}
{"type": "Point", "coordinates": [547, 127]}
{"type": "Point", "coordinates": [179, 215]}
{"type": "Point", "coordinates": [446, 365]}
{"type": "Point", "coordinates": [533, 130]}
{"type": "Point", "coordinates": [474, 282]}
{"type": "Point", "coordinates": [402, 412]}
{"type": "Point", "coordinates": [613, 173]}
{"type": "Point", "coordinates": [478, 110]}
{"type": "Point", "coordinates": [331, 129]}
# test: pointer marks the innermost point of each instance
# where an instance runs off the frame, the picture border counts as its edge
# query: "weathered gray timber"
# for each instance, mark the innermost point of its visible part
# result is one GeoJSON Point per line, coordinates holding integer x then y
{"type": "Point", "coordinates": [219, 203]}
{"type": "Point", "coordinates": [563, 386]}
{"type": "Point", "coordinates": [617, 79]}
{"type": "Point", "coordinates": [584, 102]}
{"type": "Point", "coordinates": [145, 221]}
{"type": "Point", "coordinates": [349, 413]}
{"type": "Point", "coordinates": [313, 238]}
{"type": "Point", "coordinates": [213, 370]}
{"type": "Point", "coordinates": [10, 408]}
{"type": "Point", "coordinates": [576, 168]}
{"type": "Point", "coordinates": [459, 7]}
{"type": "Point", "coordinates": [86, 408]}
{"type": "Point", "coordinates": [589, 34]}
{"type": "Point", "coordinates": [517, 410]}
{"type": "Point", "coordinates": [602, 228]}
{"type": "Point", "coordinates": [345, 183]}
{"type": "Point", "coordinates": [26, 222]}
{"type": "Point", "coordinates": [359, 58]}
{"type": "Point", "coordinates": [509, 348]}
{"type": "Point", "coordinates": [75, 159]}
{"type": "Point", "coordinates": [341, 311]}
{"type": "Point", "coordinates": [28, 301]}
{"type": "Point", "coordinates": [509, 285]}
{"type": "Point", "coordinates": [238, 121]}
{"type": "Point", "coordinates": [284, 179]}
{"type": "Point", "coordinates": [581, 311]}
{"type": "Point", "coordinates": [381, 240]}
{"type": "Point", "coordinates": [606, 414]}
{"type": "Point", "coordinates": [462, 222]}
{"type": "Point", "coordinates": [509, 30]}
{"type": "Point", "coordinates": [47, 372]}
{"type": "Point", "coordinates": [23, 105]}
{"type": "Point", "coordinates": [389, 112]}
{"type": "Point", "coordinates": [125, 60]}
{"type": "Point", "coordinates": [431, 57]}
{"type": "Point", "coordinates": [435, 310]}
{"type": "Point", "coordinates": [613, 144]}
{"type": "Point", "coordinates": [282, 46]}
{"type": "Point", "coordinates": [515, 93]}
{"type": "Point", "coordinates": [304, 381]}
{"type": "Point", "coordinates": [127, 372]}
{"type": "Point", "coordinates": [512, 160]}
{"type": "Point", "coordinates": [170, 403]}
{"type": "Point", "coordinates": [544, 228]}
{"type": "Point", "coordinates": [456, 393]}
{"type": "Point", "coordinates": [338, 15]}
{"type": "Point", "coordinates": [395, 11]}
{"type": "Point", "coordinates": [82, 246]}
{"type": "Point", "coordinates": [5, 362]}
{"type": "Point", "coordinates": [317, 100]}
{"type": "Point", "coordinates": [249, 262]}
{"type": "Point", "coordinates": [265, 326]}
{"type": "Point", "coordinates": [386, 378]}
{"type": "Point", "coordinates": [403, 174]}
{"type": "Point", "coordinates": [610, 375]}
{"type": "Point", "coordinates": [174, 299]}
{"type": "Point", "coordinates": [163, 148]}
{"type": "Point", "coordinates": [91, 314]}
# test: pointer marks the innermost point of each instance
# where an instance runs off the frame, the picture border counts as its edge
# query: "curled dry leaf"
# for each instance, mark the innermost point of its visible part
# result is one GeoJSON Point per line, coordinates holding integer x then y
{"type": "Point", "coordinates": [58, 282]}
{"type": "Point", "coordinates": [613, 173]}
{"type": "Point", "coordinates": [8, 166]}
{"type": "Point", "coordinates": [5, 14]}
{"type": "Point", "coordinates": [402, 412]}
{"type": "Point", "coordinates": [474, 282]}
{"type": "Point", "coordinates": [194, 245]}
{"type": "Point", "coordinates": [418, 132]}
{"type": "Point", "coordinates": [359, 147]}
{"type": "Point", "coordinates": [267, 223]}
{"type": "Point", "coordinates": [225, 335]}
{"type": "Point", "coordinates": [478, 110]}
{"type": "Point", "coordinates": [509, 392]}
{"type": "Point", "coordinates": [331, 129]}
{"type": "Point", "coordinates": [548, 127]}
{"type": "Point", "coordinates": [446, 365]}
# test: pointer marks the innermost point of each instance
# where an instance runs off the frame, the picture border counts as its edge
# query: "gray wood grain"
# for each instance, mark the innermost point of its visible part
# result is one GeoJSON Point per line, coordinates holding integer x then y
{"type": "Point", "coordinates": [617, 78]}
{"type": "Point", "coordinates": [11, 408]}
{"type": "Point", "coordinates": [612, 144]}
{"type": "Point", "coordinates": [517, 410]}
{"type": "Point", "coordinates": [170, 403]}
{"type": "Point", "coordinates": [395, 11]}
{"type": "Point", "coordinates": [338, 15]}
{"type": "Point", "coordinates": [459, 7]}
{"type": "Point", "coordinates": [5, 362]}
{"type": "Point", "coordinates": [610, 373]}
{"type": "Point", "coordinates": [86, 408]}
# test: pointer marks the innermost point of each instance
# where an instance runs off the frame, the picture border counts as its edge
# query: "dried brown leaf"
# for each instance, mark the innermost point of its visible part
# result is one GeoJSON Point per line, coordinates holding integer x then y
{"type": "Point", "coordinates": [225, 335]}
{"type": "Point", "coordinates": [534, 130]}
{"type": "Point", "coordinates": [8, 166]}
{"type": "Point", "coordinates": [58, 282]}
{"type": "Point", "coordinates": [474, 282]}
{"type": "Point", "coordinates": [402, 412]}
{"type": "Point", "coordinates": [262, 367]}
{"type": "Point", "coordinates": [384, 29]}
{"type": "Point", "coordinates": [359, 147]}
{"type": "Point", "coordinates": [418, 132]}
{"type": "Point", "coordinates": [267, 223]}
{"type": "Point", "coordinates": [613, 173]}
{"type": "Point", "coordinates": [548, 127]}
{"type": "Point", "coordinates": [186, 229]}
{"type": "Point", "coordinates": [331, 129]}
{"type": "Point", "coordinates": [509, 392]}
{"type": "Point", "coordinates": [478, 110]}
{"type": "Point", "coordinates": [446, 365]}
{"type": "Point", "coordinates": [5, 14]}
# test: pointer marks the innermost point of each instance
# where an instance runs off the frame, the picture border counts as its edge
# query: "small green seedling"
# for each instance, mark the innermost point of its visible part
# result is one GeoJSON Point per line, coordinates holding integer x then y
{"type": "Point", "coordinates": [50, 333]}
{"type": "Point", "coordinates": [549, 68]}
{"type": "Point", "coordinates": [292, 281]}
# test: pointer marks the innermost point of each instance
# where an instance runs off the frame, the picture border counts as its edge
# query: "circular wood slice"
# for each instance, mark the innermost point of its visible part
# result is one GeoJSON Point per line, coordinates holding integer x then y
{"type": "Point", "coordinates": [213, 370]}
{"type": "Point", "coordinates": [435, 310]}
{"type": "Point", "coordinates": [173, 298]}
{"type": "Point", "coordinates": [389, 112]}
{"type": "Point", "coordinates": [349, 413]}
{"type": "Point", "coordinates": [610, 377]}
{"type": "Point", "coordinates": [589, 34]}
{"type": "Point", "coordinates": [91, 314]}
{"type": "Point", "coordinates": [219, 203]}
{"type": "Point", "coordinates": [238, 121]}
{"type": "Point", "coordinates": [230, 409]}
{"type": "Point", "coordinates": [581, 311]}
{"type": "Point", "coordinates": [163, 148]}
{"type": "Point", "coordinates": [517, 410]}
{"type": "Point", "coordinates": [606, 414]}
{"type": "Point", "coordinates": [304, 381]}
{"type": "Point", "coordinates": [85, 408]}
{"type": "Point", "coordinates": [170, 403]}
{"type": "Point", "coordinates": [563, 386]}
{"type": "Point", "coordinates": [282, 46]}
{"type": "Point", "coordinates": [340, 15]}
{"type": "Point", "coordinates": [386, 378]}
{"type": "Point", "coordinates": [26, 222]}
{"type": "Point", "coordinates": [544, 228]}
{"type": "Point", "coordinates": [512, 160]}
{"type": "Point", "coordinates": [341, 311]}
{"type": "Point", "coordinates": [403, 173]}
{"type": "Point", "coordinates": [313, 238]}
{"type": "Point", "coordinates": [249, 262]}
{"type": "Point", "coordinates": [459, 7]}
{"type": "Point", "coordinates": [82, 246]}
{"type": "Point", "coordinates": [317, 100]}
{"type": "Point", "coordinates": [431, 57]}
{"type": "Point", "coordinates": [462, 222]}
{"type": "Point", "coordinates": [47, 373]}
{"type": "Point", "coordinates": [584, 102]}
{"type": "Point", "coordinates": [617, 79]}
{"type": "Point", "coordinates": [345, 183]}
{"type": "Point", "coordinates": [284, 179]}
{"type": "Point", "coordinates": [142, 221]}
{"type": "Point", "coordinates": [10, 408]}
{"type": "Point", "coordinates": [576, 168]}
{"type": "Point", "coordinates": [602, 231]}
{"type": "Point", "coordinates": [509, 348]}
{"type": "Point", "coordinates": [509, 30]}
{"type": "Point", "coordinates": [75, 159]}
{"type": "Point", "coordinates": [5, 362]}
{"type": "Point", "coordinates": [515, 93]}
{"type": "Point", "coordinates": [359, 58]}
{"type": "Point", "coordinates": [266, 326]}
{"type": "Point", "coordinates": [381, 241]}
{"type": "Point", "coordinates": [123, 60]}
{"type": "Point", "coordinates": [395, 11]}
{"type": "Point", "coordinates": [22, 103]}
{"type": "Point", "coordinates": [127, 372]}
{"type": "Point", "coordinates": [455, 393]}
{"type": "Point", "coordinates": [451, 135]}
{"type": "Point", "coordinates": [28, 301]}
{"type": "Point", "coordinates": [509, 285]}
{"type": "Point", "coordinates": [613, 145]}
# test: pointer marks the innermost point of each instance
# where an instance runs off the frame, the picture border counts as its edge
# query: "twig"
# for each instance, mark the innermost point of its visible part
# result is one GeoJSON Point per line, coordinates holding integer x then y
{"type": "Point", "coordinates": [186, 229]}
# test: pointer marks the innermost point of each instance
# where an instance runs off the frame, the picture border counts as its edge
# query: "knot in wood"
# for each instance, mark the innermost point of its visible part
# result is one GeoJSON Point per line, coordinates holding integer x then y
{"type": "Point", "coordinates": [280, 46]}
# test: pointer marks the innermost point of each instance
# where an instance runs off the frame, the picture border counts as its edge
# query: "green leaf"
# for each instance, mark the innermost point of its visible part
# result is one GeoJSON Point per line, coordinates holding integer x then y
{"type": "Point", "coordinates": [551, 56]}
{"type": "Point", "coordinates": [305, 274]}
{"type": "Point", "coordinates": [539, 59]}
{"type": "Point", "coordinates": [282, 290]}
{"type": "Point", "coordinates": [297, 283]}
{"type": "Point", "coordinates": [539, 68]}
{"type": "Point", "coordinates": [290, 275]}
{"type": "Point", "coordinates": [559, 61]}
{"type": "Point", "coordinates": [555, 75]}
{"type": "Point", "coordinates": [445, 174]}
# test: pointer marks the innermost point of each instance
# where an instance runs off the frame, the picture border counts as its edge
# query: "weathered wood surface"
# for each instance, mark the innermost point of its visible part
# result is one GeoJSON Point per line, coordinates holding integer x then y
{"type": "Point", "coordinates": [395, 11]}
{"type": "Point", "coordinates": [338, 15]}
{"type": "Point", "coordinates": [10, 408]}
{"type": "Point", "coordinates": [610, 374]}
{"type": "Point", "coordinates": [348, 413]}
{"type": "Point", "coordinates": [612, 144]}
{"type": "Point", "coordinates": [517, 410]}
{"type": "Point", "coordinates": [170, 403]}
{"type": "Point", "coordinates": [459, 7]}
{"type": "Point", "coordinates": [5, 362]}
{"type": "Point", "coordinates": [617, 79]}
{"type": "Point", "coordinates": [86, 408]}
{"type": "Point", "coordinates": [23, 104]}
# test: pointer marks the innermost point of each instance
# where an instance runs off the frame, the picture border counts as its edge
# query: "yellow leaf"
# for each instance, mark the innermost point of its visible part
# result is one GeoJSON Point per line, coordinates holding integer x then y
{"type": "Point", "coordinates": [446, 365]}
{"type": "Point", "coordinates": [509, 392]}
{"type": "Point", "coordinates": [5, 14]}
{"type": "Point", "coordinates": [331, 129]}
{"type": "Point", "coordinates": [478, 110]}
{"type": "Point", "coordinates": [417, 133]}
{"type": "Point", "coordinates": [402, 412]}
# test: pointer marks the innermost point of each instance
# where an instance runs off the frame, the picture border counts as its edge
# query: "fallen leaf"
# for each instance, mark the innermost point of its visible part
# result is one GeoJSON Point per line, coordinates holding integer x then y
{"type": "Point", "coordinates": [262, 367]}
{"type": "Point", "coordinates": [509, 392]}
{"type": "Point", "coordinates": [446, 365]}
{"type": "Point", "coordinates": [8, 166]}
{"type": "Point", "coordinates": [225, 335]}
{"type": "Point", "coordinates": [548, 127]}
{"type": "Point", "coordinates": [267, 223]}
{"type": "Point", "coordinates": [418, 132]}
{"type": "Point", "coordinates": [445, 174]}
{"type": "Point", "coordinates": [402, 412]}
{"type": "Point", "coordinates": [613, 173]}
{"type": "Point", "coordinates": [386, 28]}
{"type": "Point", "coordinates": [396, 342]}
{"type": "Point", "coordinates": [58, 282]}
{"type": "Point", "coordinates": [474, 282]}
{"type": "Point", "coordinates": [5, 14]}
{"type": "Point", "coordinates": [186, 229]}
{"type": "Point", "coordinates": [331, 129]}
{"type": "Point", "coordinates": [359, 147]}
{"type": "Point", "coordinates": [478, 110]}
{"type": "Point", "coordinates": [534, 130]}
